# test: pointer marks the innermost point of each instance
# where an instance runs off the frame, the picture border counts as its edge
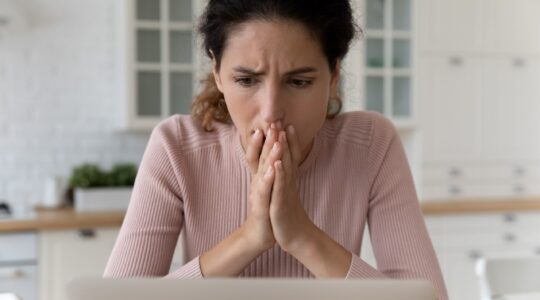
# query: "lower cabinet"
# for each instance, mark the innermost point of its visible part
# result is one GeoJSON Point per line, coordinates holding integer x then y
{"type": "Point", "coordinates": [68, 254]}
{"type": "Point", "coordinates": [461, 239]}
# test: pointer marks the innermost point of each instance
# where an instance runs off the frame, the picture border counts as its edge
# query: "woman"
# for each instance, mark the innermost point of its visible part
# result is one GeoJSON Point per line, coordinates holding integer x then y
{"type": "Point", "coordinates": [265, 177]}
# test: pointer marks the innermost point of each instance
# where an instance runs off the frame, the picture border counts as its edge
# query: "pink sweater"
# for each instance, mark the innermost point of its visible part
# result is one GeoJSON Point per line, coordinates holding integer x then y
{"type": "Point", "coordinates": [355, 175]}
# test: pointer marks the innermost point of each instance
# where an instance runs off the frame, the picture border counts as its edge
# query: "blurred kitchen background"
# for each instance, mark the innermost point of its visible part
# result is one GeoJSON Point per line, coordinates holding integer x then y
{"type": "Point", "coordinates": [82, 84]}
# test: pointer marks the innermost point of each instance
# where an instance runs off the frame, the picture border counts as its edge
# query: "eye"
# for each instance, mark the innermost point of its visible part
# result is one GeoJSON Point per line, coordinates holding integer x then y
{"type": "Point", "coordinates": [299, 83]}
{"type": "Point", "coordinates": [245, 81]}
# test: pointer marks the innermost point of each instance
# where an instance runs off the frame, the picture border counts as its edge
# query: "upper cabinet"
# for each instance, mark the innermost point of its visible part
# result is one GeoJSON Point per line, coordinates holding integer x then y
{"type": "Point", "coordinates": [449, 25]}
{"type": "Point", "coordinates": [496, 26]}
{"type": "Point", "coordinates": [388, 59]}
{"type": "Point", "coordinates": [158, 59]}
{"type": "Point", "coordinates": [511, 26]}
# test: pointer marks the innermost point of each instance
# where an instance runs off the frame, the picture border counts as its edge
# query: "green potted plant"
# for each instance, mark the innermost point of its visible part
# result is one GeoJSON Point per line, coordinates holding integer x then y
{"type": "Point", "coordinates": [99, 190]}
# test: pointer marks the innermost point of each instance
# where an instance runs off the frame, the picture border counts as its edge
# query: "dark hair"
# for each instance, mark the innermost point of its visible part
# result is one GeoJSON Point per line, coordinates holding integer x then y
{"type": "Point", "coordinates": [330, 21]}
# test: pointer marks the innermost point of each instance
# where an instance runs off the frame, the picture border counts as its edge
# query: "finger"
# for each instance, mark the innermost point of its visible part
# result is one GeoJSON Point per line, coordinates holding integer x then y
{"type": "Point", "coordinates": [254, 148]}
{"type": "Point", "coordinates": [266, 184]}
{"type": "Point", "coordinates": [287, 161]}
{"type": "Point", "coordinates": [268, 144]}
{"type": "Point", "coordinates": [278, 190]}
{"type": "Point", "coordinates": [294, 145]}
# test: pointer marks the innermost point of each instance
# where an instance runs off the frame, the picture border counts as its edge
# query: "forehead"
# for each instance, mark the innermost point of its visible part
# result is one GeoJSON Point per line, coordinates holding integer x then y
{"type": "Point", "coordinates": [259, 43]}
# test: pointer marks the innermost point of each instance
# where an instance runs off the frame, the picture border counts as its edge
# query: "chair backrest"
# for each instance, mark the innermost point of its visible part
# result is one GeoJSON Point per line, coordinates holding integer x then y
{"type": "Point", "coordinates": [505, 276]}
{"type": "Point", "coordinates": [8, 296]}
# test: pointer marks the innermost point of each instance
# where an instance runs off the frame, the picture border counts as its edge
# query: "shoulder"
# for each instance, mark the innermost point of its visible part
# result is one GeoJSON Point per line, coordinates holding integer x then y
{"type": "Point", "coordinates": [187, 134]}
{"type": "Point", "coordinates": [366, 128]}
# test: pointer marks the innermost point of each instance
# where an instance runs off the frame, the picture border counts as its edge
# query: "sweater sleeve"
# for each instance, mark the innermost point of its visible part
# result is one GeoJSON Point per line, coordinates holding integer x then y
{"type": "Point", "coordinates": [154, 219]}
{"type": "Point", "coordinates": [399, 237]}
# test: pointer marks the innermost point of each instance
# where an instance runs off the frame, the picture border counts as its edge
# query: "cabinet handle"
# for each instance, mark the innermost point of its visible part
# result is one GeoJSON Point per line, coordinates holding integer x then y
{"type": "Point", "coordinates": [510, 218]}
{"type": "Point", "coordinates": [474, 255]}
{"type": "Point", "coordinates": [456, 61]}
{"type": "Point", "coordinates": [455, 172]}
{"type": "Point", "coordinates": [454, 190]}
{"type": "Point", "coordinates": [14, 273]}
{"type": "Point", "coordinates": [518, 62]}
{"type": "Point", "coordinates": [510, 238]}
{"type": "Point", "coordinates": [519, 189]}
{"type": "Point", "coordinates": [519, 171]}
{"type": "Point", "coordinates": [87, 233]}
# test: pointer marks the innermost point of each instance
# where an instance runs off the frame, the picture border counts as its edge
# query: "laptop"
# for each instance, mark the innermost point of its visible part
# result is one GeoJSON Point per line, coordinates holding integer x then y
{"type": "Point", "coordinates": [248, 289]}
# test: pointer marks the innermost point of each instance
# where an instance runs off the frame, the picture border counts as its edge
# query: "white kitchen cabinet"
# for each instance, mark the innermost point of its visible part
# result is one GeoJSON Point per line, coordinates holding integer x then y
{"type": "Point", "coordinates": [480, 108]}
{"type": "Point", "coordinates": [459, 240]}
{"type": "Point", "coordinates": [388, 59]}
{"type": "Point", "coordinates": [449, 25]}
{"type": "Point", "coordinates": [511, 108]}
{"type": "Point", "coordinates": [159, 63]}
{"type": "Point", "coordinates": [479, 101]}
{"type": "Point", "coordinates": [480, 116]}
{"type": "Point", "coordinates": [18, 264]}
{"type": "Point", "coordinates": [511, 26]}
{"type": "Point", "coordinates": [450, 107]}
{"type": "Point", "coordinates": [488, 179]}
{"type": "Point", "coordinates": [67, 254]}
{"type": "Point", "coordinates": [479, 26]}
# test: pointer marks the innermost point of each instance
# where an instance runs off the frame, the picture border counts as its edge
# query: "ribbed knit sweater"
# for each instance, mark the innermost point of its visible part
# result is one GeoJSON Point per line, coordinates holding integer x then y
{"type": "Point", "coordinates": [356, 174]}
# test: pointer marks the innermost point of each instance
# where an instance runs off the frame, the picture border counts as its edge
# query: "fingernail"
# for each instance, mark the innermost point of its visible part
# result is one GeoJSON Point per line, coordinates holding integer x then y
{"type": "Point", "coordinates": [275, 148]}
{"type": "Point", "coordinates": [269, 133]}
{"type": "Point", "coordinates": [255, 135]}
{"type": "Point", "coordinates": [291, 129]}
{"type": "Point", "coordinates": [272, 125]}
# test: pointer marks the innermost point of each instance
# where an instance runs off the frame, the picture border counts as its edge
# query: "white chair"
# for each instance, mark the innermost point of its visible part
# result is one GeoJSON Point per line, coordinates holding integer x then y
{"type": "Point", "coordinates": [8, 296]}
{"type": "Point", "coordinates": [506, 276]}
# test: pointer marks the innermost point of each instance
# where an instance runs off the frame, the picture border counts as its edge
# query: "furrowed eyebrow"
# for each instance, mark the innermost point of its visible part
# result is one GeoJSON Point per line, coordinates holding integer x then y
{"type": "Point", "coordinates": [292, 72]}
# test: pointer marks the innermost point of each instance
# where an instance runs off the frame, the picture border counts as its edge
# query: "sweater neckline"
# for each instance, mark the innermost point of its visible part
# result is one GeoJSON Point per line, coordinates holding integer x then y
{"type": "Point", "coordinates": [305, 165]}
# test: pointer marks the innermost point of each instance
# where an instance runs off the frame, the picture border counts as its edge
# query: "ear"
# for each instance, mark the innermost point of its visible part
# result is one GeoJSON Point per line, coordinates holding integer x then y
{"type": "Point", "coordinates": [334, 81]}
{"type": "Point", "coordinates": [217, 78]}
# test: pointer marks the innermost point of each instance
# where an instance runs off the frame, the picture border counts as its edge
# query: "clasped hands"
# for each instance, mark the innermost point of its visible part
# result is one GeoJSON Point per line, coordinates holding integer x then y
{"type": "Point", "coordinates": [275, 212]}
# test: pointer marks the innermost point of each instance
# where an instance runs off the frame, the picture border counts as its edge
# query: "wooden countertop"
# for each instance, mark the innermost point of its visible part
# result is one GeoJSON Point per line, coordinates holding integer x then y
{"type": "Point", "coordinates": [67, 218]}
{"type": "Point", "coordinates": [62, 218]}
{"type": "Point", "coordinates": [480, 205]}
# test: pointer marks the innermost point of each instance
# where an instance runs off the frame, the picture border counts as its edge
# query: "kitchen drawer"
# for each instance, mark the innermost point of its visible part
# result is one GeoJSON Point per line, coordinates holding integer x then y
{"type": "Point", "coordinates": [20, 280]}
{"type": "Point", "coordinates": [18, 246]}
{"type": "Point", "coordinates": [458, 223]}
{"type": "Point", "coordinates": [444, 191]}
{"type": "Point", "coordinates": [490, 191]}
{"type": "Point", "coordinates": [483, 222]}
{"type": "Point", "coordinates": [460, 172]}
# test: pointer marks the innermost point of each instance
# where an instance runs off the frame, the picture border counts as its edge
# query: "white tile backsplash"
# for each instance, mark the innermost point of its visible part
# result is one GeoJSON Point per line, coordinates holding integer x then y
{"type": "Point", "coordinates": [57, 96]}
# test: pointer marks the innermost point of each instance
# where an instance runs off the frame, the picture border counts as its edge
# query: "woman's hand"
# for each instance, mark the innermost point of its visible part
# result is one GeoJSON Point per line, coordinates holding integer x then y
{"type": "Point", "coordinates": [291, 225]}
{"type": "Point", "coordinates": [257, 228]}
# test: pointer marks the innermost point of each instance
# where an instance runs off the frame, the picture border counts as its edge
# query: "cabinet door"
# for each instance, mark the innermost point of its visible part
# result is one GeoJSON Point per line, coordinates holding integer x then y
{"type": "Point", "coordinates": [449, 25]}
{"type": "Point", "coordinates": [511, 102]}
{"type": "Point", "coordinates": [68, 254]}
{"type": "Point", "coordinates": [20, 280]}
{"type": "Point", "coordinates": [450, 103]}
{"type": "Point", "coordinates": [511, 26]}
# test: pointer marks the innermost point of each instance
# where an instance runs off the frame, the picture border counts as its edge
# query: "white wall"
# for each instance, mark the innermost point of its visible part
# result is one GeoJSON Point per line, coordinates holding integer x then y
{"type": "Point", "coordinates": [57, 96]}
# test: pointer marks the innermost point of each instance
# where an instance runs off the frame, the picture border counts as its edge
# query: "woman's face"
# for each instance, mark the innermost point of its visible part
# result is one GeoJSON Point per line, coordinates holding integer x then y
{"type": "Point", "coordinates": [275, 71]}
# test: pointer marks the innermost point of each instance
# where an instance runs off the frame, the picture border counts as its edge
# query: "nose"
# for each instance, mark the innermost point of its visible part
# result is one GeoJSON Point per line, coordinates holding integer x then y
{"type": "Point", "coordinates": [272, 106]}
